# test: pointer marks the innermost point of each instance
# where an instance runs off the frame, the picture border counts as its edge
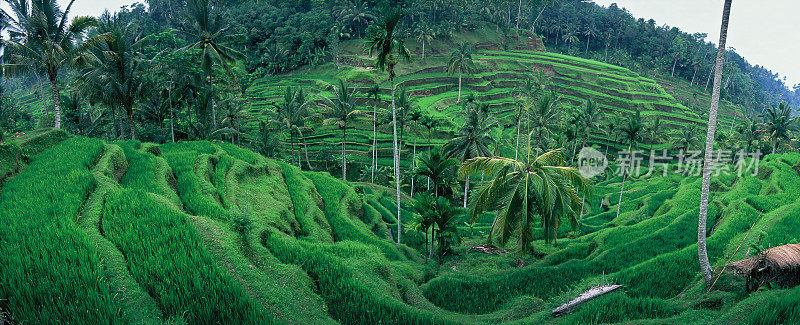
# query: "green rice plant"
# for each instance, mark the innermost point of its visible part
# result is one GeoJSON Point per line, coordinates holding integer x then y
{"type": "Point", "coordinates": [165, 256]}
{"type": "Point", "coordinates": [50, 270]}
{"type": "Point", "coordinates": [620, 308]}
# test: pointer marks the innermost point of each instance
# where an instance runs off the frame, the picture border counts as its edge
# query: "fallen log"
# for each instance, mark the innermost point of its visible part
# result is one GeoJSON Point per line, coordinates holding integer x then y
{"type": "Point", "coordinates": [590, 294]}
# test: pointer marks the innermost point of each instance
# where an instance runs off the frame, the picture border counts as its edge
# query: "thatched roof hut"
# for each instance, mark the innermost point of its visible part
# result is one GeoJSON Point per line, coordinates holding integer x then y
{"type": "Point", "coordinates": [779, 265]}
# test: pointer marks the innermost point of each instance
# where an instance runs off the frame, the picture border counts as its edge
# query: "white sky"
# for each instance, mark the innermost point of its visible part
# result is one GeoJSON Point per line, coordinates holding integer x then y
{"type": "Point", "coordinates": [764, 32]}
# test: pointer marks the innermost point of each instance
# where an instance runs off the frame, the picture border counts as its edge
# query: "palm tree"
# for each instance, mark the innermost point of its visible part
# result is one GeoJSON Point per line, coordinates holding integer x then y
{"type": "Point", "coordinates": [630, 133]}
{"type": "Point", "coordinates": [375, 94]}
{"type": "Point", "coordinates": [383, 42]}
{"type": "Point", "coordinates": [702, 253]}
{"type": "Point", "coordinates": [473, 139]}
{"type": "Point", "coordinates": [523, 191]}
{"type": "Point", "coordinates": [687, 137]}
{"type": "Point", "coordinates": [589, 32]}
{"type": "Point", "coordinates": [544, 115]}
{"type": "Point", "coordinates": [414, 116]}
{"type": "Point", "coordinates": [778, 122]}
{"type": "Point", "coordinates": [236, 112]}
{"type": "Point", "coordinates": [461, 62]}
{"type": "Point", "coordinates": [750, 132]}
{"type": "Point", "coordinates": [209, 32]}
{"type": "Point", "coordinates": [339, 113]}
{"type": "Point", "coordinates": [570, 37]}
{"type": "Point", "coordinates": [425, 34]}
{"type": "Point", "coordinates": [42, 39]}
{"type": "Point", "coordinates": [438, 168]}
{"type": "Point", "coordinates": [425, 205]}
{"type": "Point", "coordinates": [590, 118]}
{"type": "Point", "coordinates": [357, 14]}
{"type": "Point", "coordinates": [655, 131]}
{"type": "Point", "coordinates": [290, 116]}
{"type": "Point", "coordinates": [113, 67]}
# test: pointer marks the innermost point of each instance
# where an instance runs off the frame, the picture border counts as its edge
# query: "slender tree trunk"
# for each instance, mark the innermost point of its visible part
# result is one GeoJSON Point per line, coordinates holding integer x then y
{"type": "Point", "coordinates": [433, 238]}
{"type": "Point", "coordinates": [675, 63]}
{"type": "Point", "coordinates": [130, 123]}
{"type": "Point", "coordinates": [516, 148]}
{"type": "Point", "coordinates": [710, 72]}
{"type": "Point", "coordinates": [291, 138]}
{"type": "Point", "coordinates": [533, 26]}
{"type": "Point", "coordinates": [423, 57]}
{"type": "Point", "coordinates": [702, 253]}
{"type": "Point", "coordinates": [621, 190]}
{"type": "Point", "coordinates": [519, 14]}
{"type": "Point", "coordinates": [213, 110]}
{"type": "Point", "coordinates": [459, 87]}
{"type": "Point", "coordinates": [427, 247]}
{"type": "Point", "coordinates": [583, 200]}
{"type": "Point", "coordinates": [56, 103]}
{"type": "Point", "coordinates": [171, 118]}
{"type": "Point", "coordinates": [396, 160]}
{"type": "Point", "coordinates": [466, 191]}
{"type": "Point", "coordinates": [693, 76]}
{"type": "Point", "coordinates": [413, 163]}
{"type": "Point", "coordinates": [374, 142]}
{"type": "Point", "coordinates": [305, 147]}
{"type": "Point", "coordinates": [344, 151]}
{"type": "Point", "coordinates": [588, 39]}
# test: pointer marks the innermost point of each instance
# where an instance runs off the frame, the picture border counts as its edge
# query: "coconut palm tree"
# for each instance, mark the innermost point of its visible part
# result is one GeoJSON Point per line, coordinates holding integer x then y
{"type": "Point", "coordinates": [290, 116]}
{"type": "Point", "coordinates": [589, 32]}
{"type": "Point", "coordinates": [208, 31]}
{"type": "Point", "coordinates": [374, 93]}
{"type": "Point", "coordinates": [655, 131]}
{"type": "Point", "coordinates": [43, 39]}
{"type": "Point", "coordinates": [425, 205]}
{"type": "Point", "coordinates": [383, 42]}
{"type": "Point", "coordinates": [461, 62]}
{"type": "Point", "coordinates": [425, 34]}
{"type": "Point", "coordinates": [340, 113]}
{"type": "Point", "coordinates": [687, 137]}
{"type": "Point", "coordinates": [473, 139]}
{"type": "Point", "coordinates": [523, 191]}
{"type": "Point", "coordinates": [356, 14]}
{"type": "Point", "coordinates": [590, 118]}
{"type": "Point", "coordinates": [702, 253]}
{"type": "Point", "coordinates": [113, 66]}
{"type": "Point", "coordinates": [414, 116]}
{"type": "Point", "coordinates": [630, 133]}
{"type": "Point", "coordinates": [438, 168]}
{"type": "Point", "coordinates": [544, 114]}
{"type": "Point", "coordinates": [570, 37]}
{"type": "Point", "coordinates": [750, 132]}
{"type": "Point", "coordinates": [778, 122]}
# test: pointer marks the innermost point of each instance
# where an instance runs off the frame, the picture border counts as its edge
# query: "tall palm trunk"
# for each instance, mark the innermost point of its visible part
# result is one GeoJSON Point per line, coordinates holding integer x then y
{"type": "Point", "coordinates": [344, 151]}
{"type": "Point", "coordinates": [459, 87]}
{"type": "Point", "coordinates": [702, 253]}
{"type": "Point", "coordinates": [710, 73]}
{"type": "Point", "coordinates": [519, 14]}
{"type": "Point", "coordinates": [171, 118]}
{"type": "Point", "coordinates": [413, 163]}
{"type": "Point", "coordinates": [374, 142]}
{"type": "Point", "coordinates": [41, 93]}
{"type": "Point", "coordinates": [56, 102]}
{"type": "Point", "coordinates": [588, 39]}
{"type": "Point", "coordinates": [674, 63]}
{"type": "Point", "coordinates": [621, 190]}
{"type": "Point", "coordinates": [466, 191]}
{"type": "Point", "coordinates": [396, 157]}
{"type": "Point", "coordinates": [423, 55]}
{"type": "Point", "coordinates": [213, 110]}
{"type": "Point", "coordinates": [305, 147]}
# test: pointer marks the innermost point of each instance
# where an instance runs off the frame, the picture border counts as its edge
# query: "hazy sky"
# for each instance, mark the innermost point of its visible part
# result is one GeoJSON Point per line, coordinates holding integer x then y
{"type": "Point", "coordinates": [764, 32]}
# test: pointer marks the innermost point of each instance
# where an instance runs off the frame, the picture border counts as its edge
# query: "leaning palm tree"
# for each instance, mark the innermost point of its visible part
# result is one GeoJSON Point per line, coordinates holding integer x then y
{"type": "Point", "coordinates": [702, 253]}
{"type": "Point", "coordinates": [472, 140]}
{"type": "Point", "coordinates": [113, 67]}
{"type": "Point", "coordinates": [630, 133]}
{"type": "Point", "coordinates": [461, 63]}
{"type": "Point", "coordinates": [383, 41]}
{"type": "Point", "coordinates": [524, 191]}
{"type": "Point", "coordinates": [208, 31]}
{"type": "Point", "coordinates": [341, 112]}
{"type": "Point", "coordinates": [778, 123]}
{"type": "Point", "coordinates": [43, 39]}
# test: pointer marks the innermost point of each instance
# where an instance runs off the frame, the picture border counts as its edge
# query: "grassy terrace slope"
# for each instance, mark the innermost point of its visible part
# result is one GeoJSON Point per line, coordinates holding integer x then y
{"type": "Point", "coordinates": [206, 232]}
{"type": "Point", "coordinates": [616, 89]}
